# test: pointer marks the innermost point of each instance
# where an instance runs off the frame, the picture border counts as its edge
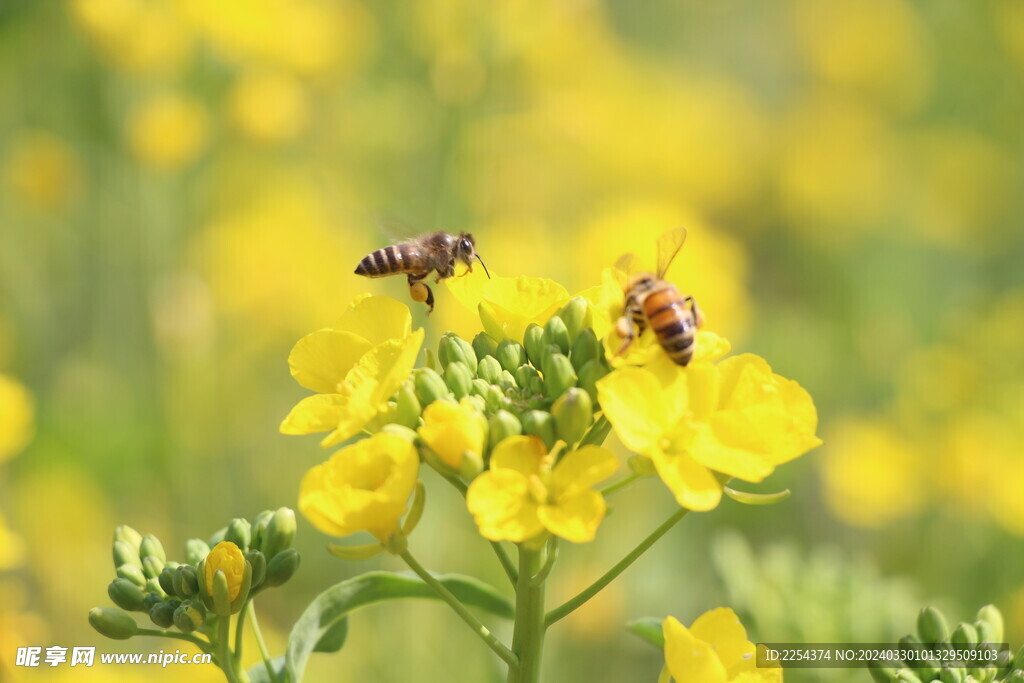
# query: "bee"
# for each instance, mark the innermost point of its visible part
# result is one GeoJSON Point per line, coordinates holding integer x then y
{"type": "Point", "coordinates": [418, 257]}
{"type": "Point", "coordinates": [650, 300]}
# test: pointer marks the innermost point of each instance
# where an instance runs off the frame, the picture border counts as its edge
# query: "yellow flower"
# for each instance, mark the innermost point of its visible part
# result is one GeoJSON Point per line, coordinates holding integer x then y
{"type": "Point", "coordinates": [714, 649]}
{"type": "Point", "coordinates": [354, 367]}
{"type": "Point", "coordinates": [226, 557]}
{"type": "Point", "coordinates": [168, 131]}
{"type": "Point", "coordinates": [269, 107]}
{"type": "Point", "coordinates": [522, 495]}
{"type": "Point", "coordinates": [736, 417]}
{"type": "Point", "coordinates": [451, 430]}
{"type": "Point", "coordinates": [16, 417]}
{"type": "Point", "coordinates": [507, 305]}
{"type": "Point", "coordinates": [363, 487]}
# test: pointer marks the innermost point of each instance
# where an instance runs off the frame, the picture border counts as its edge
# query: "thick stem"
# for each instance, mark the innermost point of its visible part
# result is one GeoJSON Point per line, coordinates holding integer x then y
{"type": "Point", "coordinates": [528, 638]}
{"type": "Point", "coordinates": [567, 607]}
{"type": "Point", "coordinates": [224, 648]}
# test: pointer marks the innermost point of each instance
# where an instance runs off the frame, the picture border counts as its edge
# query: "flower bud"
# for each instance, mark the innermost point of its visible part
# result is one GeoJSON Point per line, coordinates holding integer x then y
{"type": "Point", "coordinates": [151, 547]}
{"type": "Point", "coordinates": [282, 567]}
{"type": "Point", "coordinates": [931, 626]}
{"type": "Point", "coordinates": [124, 553]}
{"type": "Point", "coordinates": [585, 349]}
{"type": "Point", "coordinates": [590, 373]}
{"type": "Point", "coordinates": [881, 674]}
{"type": "Point", "coordinates": [126, 594]}
{"type": "Point", "coordinates": [128, 535]}
{"type": "Point", "coordinates": [504, 424]}
{"type": "Point", "coordinates": [419, 501]}
{"type": "Point", "coordinates": [558, 375]}
{"type": "Point", "coordinates": [964, 634]}
{"type": "Point", "coordinates": [429, 386]}
{"type": "Point", "coordinates": [489, 369]}
{"type": "Point", "coordinates": [258, 561]}
{"type": "Point", "coordinates": [906, 676]}
{"type": "Point", "coordinates": [150, 599]}
{"type": "Point", "coordinates": [948, 674]}
{"type": "Point", "coordinates": [1018, 659]}
{"type": "Point", "coordinates": [454, 431]}
{"type": "Point", "coordinates": [510, 354]}
{"type": "Point", "coordinates": [166, 580]}
{"type": "Point", "coordinates": [112, 623]}
{"type": "Point", "coordinates": [189, 616]}
{"type": "Point", "coordinates": [456, 349]}
{"type": "Point", "coordinates": [152, 566]}
{"type": "Point", "coordinates": [479, 387]}
{"type": "Point", "coordinates": [555, 332]}
{"type": "Point", "coordinates": [408, 408]}
{"type": "Point", "coordinates": [400, 431]}
{"type": "Point", "coordinates": [990, 615]}
{"type": "Point", "coordinates": [641, 465]}
{"type": "Point", "coordinates": [217, 536]}
{"type": "Point", "coordinates": [430, 360]}
{"type": "Point", "coordinates": [574, 314]}
{"type": "Point", "coordinates": [281, 531]}
{"type": "Point", "coordinates": [259, 528]}
{"type": "Point", "coordinates": [539, 423]}
{"type": "Point", "coordinates": [185, 580]}
{"type": "Point", "coordinates": [484, 345]}
{"type": "Point", "coordinates": [195, 550]}
{"type": "Point", "coordinates": [162, 614]}
{"type": "Point", "coordinates": [239, 532]}
{"type": "Point", "coordinates": [533, 341]}
{"type": "Point", "coordinates": [133, 573]}
{"type": "Point", "coordinates": [507, 382]}
{"type": "Point", "coordinates": [153, 586]}
{"type": "Point", "coordinates": [573, 413]}
{"type": "Point", "coordinates": [225, 574]}
{"type": "Point", "coordinates": [495, 399]}
{"type": "Point", "coordinates": [526, 376]}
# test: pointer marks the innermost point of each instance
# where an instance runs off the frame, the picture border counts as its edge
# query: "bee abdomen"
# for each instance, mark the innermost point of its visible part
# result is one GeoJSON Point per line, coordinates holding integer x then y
{"type": "Point", "coordinates": [386, 261]}
{"type": "Point", "coordinates": [673, 323]}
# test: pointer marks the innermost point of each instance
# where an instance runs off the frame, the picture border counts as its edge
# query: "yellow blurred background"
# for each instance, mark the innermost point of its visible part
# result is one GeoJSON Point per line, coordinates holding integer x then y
{"type": "Point", "coordinates": [186, 187]}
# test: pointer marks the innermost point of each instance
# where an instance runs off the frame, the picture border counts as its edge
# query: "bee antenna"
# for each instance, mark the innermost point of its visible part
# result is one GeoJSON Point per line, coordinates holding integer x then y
{"type": "Point", "coordinates": [484, 265]}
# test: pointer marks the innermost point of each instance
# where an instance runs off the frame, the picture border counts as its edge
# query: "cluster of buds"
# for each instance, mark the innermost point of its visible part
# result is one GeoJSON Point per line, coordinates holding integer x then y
{"type": "Point", "coordinates": [983, 635]}
{"type": "Point", "coordinates": [246, 558]}
{"type": "Point", "coordinates": [543, 386]}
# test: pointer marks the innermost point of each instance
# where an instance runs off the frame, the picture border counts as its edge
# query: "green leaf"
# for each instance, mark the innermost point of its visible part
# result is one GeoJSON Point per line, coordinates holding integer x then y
{"type": "Point", "coordinates": [649, 630]}
{"type": "Point", "coordinates": [258, 673]}
{"type": "Point", "coordinates": [322, 627]}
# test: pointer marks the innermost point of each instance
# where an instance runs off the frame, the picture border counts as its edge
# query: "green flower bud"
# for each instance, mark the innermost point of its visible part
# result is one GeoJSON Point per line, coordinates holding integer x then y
{"type": "Point", "coordinates": [259, 528]}
{"type": "Point", "coordinates": [948, 674]}
{"type": "Point", "coordinates": [408, 408]}
{"type": "Point", "coordinates": [150, 599]}
{"type": "Point", "coordinates": [489, 369]}
{"type": "Point", "coordinates": [259, 567]}
{"type": "Point", "coordinates": [964, 634]}
{"type": "Point", "coordinates": [558, 375]}
{"type": "Point", "coordinates": [151, 547]}
{"type": "Point", "coordinates": [126, 594]}
{"type": "Point", "coordinates": [642, 465]}
{"type": "Point", "coordinates": [881, 674]}
{"type": "Point", "coordinates": [540, 423]}
{"type": "Point", "coordinates": [990, 615]}
{"type": "Point", "coordinates": [483, 345]}
{"type": "Point", "coordinates": [507, 381]}
{"type": "Point", "coordinates": [458, 378]}
{"type": "Point", "coordinates": [239, 532]}
{"type": "Point", "coordinates": [533, 341]}
{"type": "Point", "coordinates": [470, 467]}
{"type": "Point", "coordinates": [1018, 659]}
{"type": "Point", "coordinates": [124, 553]}
{"type": "Point", "coordinates": [195, 550]}
{"type": "Point", "coordinates": [479, 403]}
{"type": "Point", "coordinates": [590, 373]}
{"type": "Point", "coordinates": [906, 676]}
{"type": "Point", "coordinates": [282, 567]}
{"type": "Point", "coordinates": [495, 399]}
{"type": "Point", "coordinates": [152, 566]}
{"type": "Point", "coordinates": [504, 424]}
{"type": "Point", "coordinates": [510, 354]}
{"type": "Point", "coordinates": [573, 413]}
{"type": "Point", "coordinates": [479, 386]}
{"type": "Point", "coordinates": [585, 349]}
{"type": "Point", "coordinates": [186, 581]}
{"type": "Point", "coordinates": [189, 616]}
{"type": "Point", "coordinates": [133, 573]}
{"type": "Point", "coordinates": [555, 332]}
{"type": "Point", "coordinates": [221, 594]}
{"type": "Point", "coordinates": [526, 376]}
{"type": "Point", "coordinates": [429, 386]}
{"type": "Point", "coordinates": [430, 360]}
{"type": "Point", "coordinates": [281, 531]}
{"type": "Point", "coordinates": [153, 586]}
{"type": "Point", "coordinates": [112, 623]}
{"type": "Point", "coordinates": [162, 614]}
{"type": "Point", "coordinates": [574, 315]}
{"type": "Point", "coordinates": [931, 626]}
{"type": "Point", "coordinates": [166, 580]}
{"type": "Point", "coordinates": [128, 535]}
{"type": "Point", "coordinates": [456, 349]}
{"type": "Point", "coordinates": [402, 431]}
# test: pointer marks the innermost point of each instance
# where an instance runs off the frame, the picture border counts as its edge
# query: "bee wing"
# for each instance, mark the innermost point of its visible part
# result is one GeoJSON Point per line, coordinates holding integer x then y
{"type": "Point", "coordinates": [624, 268]}
{"type": "Point", "coordinates": [669, 245]}
{"type": "Point", "coordinates": [396, 230]}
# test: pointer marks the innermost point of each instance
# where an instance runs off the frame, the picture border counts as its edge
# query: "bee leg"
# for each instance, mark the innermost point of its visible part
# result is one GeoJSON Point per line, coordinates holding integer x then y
{"type": "Point", "coordinates": [420, 292]}
{"type": "Point", "coordinates": [698, 315]}
{"type": "Point", "coordinates": [624, 328]}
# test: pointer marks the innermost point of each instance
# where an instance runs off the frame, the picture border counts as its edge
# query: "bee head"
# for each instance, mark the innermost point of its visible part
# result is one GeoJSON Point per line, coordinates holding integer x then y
{"type": "Point", "coordinates": [465, 251]}
{"type": "Point", "coordinates": [641, 282]}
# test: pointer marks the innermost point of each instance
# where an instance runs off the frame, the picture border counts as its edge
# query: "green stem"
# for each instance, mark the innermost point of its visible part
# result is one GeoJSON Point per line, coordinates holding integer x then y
{"type": "Point", "coordinates": [503, 558]}
{"type": "Point", "coordinates": [528, 637]}
{"type": "Point", "coordinates": [482, 631]}
{"type": "Point", "coordinates": [620, 484]}
{"type": "Point", "coordinates": [593, 589]}
{"type": "Point", "coordinates": [226, 658]}
{"type": "Point", "coordinates": [549, 563]}
{"type": "Point", "coordinates": [205, 647]}
{"type": "Point", "coordinates": [239, 632]}
{"type": "Point", "coordinates": [261, 644]}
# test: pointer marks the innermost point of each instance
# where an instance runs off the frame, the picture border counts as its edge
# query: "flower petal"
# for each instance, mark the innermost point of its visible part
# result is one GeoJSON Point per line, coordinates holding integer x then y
{"type": "Point", "coordinates": [693, 485]}
{"type": "Point", "coordinates": [509, 305]}
{"type": "Point", "coordinates": [358, 409]}
{"type": "Point", "coordinates": [502, 508]}
{"type": "Point", "coordinates": [317, 413]}
{"type": "Point", "coordinates": [632, 401]}
{"type": "Point", "coordinates": [721, 628]}
{"type": "Point", "coordinates": [689, 659]}
{"type": "Point", "coordinates": [376, 319]}
{"type": "Point", "coordinates": [581, 469]}
{"type": "Point", "coordinates": [523, 454]}
{"type": "Point", "coordinates": [389, 364]}
{"type": "Point", "coordinates": [321, 359]}
{"type": "Point", "coordinates": [451, 429]}
{"type": "Point", "coordinates": [575, 518]}
{"type": "Point", "coordinates": [707, 449]}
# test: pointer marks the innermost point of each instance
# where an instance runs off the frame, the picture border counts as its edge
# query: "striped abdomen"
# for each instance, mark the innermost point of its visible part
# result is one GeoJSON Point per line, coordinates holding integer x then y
{"type": "Point", "coordinates": [391, 260]}
{"type": "Point", "coordinates": [673, 321]}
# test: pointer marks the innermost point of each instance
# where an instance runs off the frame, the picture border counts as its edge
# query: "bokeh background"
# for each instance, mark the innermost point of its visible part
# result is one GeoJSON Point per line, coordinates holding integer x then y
{"type": "Point", "coordinates": [186, 186]}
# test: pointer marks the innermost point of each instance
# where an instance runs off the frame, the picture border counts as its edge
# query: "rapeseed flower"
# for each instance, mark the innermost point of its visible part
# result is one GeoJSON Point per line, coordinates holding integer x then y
{"type": "Point", "coordinates": [453, 430]}
{"type": "Point", "coordinates": [714, 649]}
{"type": "Point", "coordinates": [226, 557]}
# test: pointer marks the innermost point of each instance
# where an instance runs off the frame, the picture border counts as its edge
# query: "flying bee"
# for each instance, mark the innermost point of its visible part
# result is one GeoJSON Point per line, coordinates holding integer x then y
{"type": "Point", "coordinates": [650, 300]}
{"type": "Point", "coordinates": [418, 257]}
